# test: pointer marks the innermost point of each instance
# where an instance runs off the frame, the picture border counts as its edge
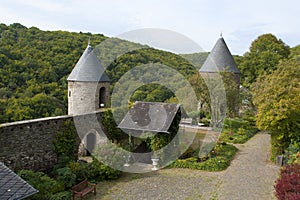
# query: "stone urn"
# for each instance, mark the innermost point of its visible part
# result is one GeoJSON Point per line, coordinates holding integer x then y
{"type": "Point", "coordinates": [127, 159]}
{"type": "Point", "coordinates": [155, 163]}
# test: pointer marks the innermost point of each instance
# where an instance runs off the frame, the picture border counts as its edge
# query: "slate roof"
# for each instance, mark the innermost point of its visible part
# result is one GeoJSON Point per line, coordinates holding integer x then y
{"type": "Point", "coordinates": [150, 117]}
{"type": "Point", "coordinates": [88, 68]}
{"type": "Point", "coordinates": [220, 59]}
{"type": "Point", "coordinates": [12, 186]}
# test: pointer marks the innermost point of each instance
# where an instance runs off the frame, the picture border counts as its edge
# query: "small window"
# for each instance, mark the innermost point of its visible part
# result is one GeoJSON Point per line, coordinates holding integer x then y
{"type": "Point", "coordinates": [69, 93]}
{"type": "Point", "coordinates": [102, 99]}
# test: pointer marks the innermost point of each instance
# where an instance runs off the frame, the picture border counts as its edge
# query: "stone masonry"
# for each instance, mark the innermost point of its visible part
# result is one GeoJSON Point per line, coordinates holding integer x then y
{"type": "Point", "coordinates": [28, 144]}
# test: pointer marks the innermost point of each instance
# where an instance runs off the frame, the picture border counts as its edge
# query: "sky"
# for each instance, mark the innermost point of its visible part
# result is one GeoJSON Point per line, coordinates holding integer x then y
{"type": "Point", "coordinates": [200, 21]}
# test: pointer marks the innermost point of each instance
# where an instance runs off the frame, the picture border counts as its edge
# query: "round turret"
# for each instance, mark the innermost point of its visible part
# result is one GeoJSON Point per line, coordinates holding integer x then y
{"type": "Point", "coordinates": [88, 85]}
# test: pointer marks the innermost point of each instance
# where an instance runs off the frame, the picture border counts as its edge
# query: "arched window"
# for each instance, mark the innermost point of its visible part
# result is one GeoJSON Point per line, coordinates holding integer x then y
{"type": "Point", "coordinates": [102, 92]}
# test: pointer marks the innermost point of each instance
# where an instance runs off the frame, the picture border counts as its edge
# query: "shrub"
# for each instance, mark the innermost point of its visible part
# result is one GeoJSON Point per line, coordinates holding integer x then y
{"type": "Point", "coordinates": [213, 164]}
{"type": "Point", "coordinates": [292, 153]}
{"type": "Point", "coordinates": [46, 185]}
{"type": "Point", "coordinates": [233, 123]}
{"type": "Point", "coordinates": [111, 154]}
{"type": "Point", "coordinates": [277, 146]}
{"type": "Point", "coordinates": [218, 159]}
{"type": "Point", "coordinates": [94, 171]}
{"type": "Point", "coordinates": [78, 168]}
{"type": "Point", "coordinates": [287, 185]}
{"type": "Point", "coordinates": [66, 176]}
{"type": "Point", "coordinates": [205, 121]}
{"type": "Point", "coordinates": [112, 131]}
{"type": "Point", "coordinates": [66, 195]}
{"type": "Point", "coordinates": [202, 116]}
{"type": "Point", "coordinates": [62, 161]}
{"type": "Point", "coordinates": [190, 153]}
{"type": "Point", "coordinates": [101, 172]}
{"type": "Point", "coordinates": [208, 147]}
{"type": "Point", "coordinates": [237, 131]}
{"type": "Point", "coordinates": [64, 143]}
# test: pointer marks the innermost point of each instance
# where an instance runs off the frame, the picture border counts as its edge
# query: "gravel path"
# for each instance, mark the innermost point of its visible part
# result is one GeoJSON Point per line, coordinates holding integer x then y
{"type": "Point", "coordinates": [250, 176]}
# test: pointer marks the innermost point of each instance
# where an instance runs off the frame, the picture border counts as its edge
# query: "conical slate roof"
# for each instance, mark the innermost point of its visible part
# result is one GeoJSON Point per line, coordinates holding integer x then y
{"type": "Point", "coordinates": [220, 59]}
{"type": "Point", "coordinates": [88, 68]}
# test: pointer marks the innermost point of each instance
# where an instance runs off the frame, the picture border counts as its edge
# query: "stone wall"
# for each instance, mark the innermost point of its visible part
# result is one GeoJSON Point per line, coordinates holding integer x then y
{"type": "Point", "coordinates": [28, 144]}
{"type": "Point", "coordinates": [84, 97]}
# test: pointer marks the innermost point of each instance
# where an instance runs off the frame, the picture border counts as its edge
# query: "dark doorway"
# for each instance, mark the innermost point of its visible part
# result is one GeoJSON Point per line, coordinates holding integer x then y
{"type": "Point", "coordinates": [143, 158]}
{"type": "Point", "coordinates": [90, 143]}
{"type": "Point", "coordinates": [102, 92]}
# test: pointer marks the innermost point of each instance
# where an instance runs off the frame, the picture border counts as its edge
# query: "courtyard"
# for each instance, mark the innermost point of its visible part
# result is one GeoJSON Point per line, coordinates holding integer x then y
{"type": "Point", "coordinates": [250, 176]}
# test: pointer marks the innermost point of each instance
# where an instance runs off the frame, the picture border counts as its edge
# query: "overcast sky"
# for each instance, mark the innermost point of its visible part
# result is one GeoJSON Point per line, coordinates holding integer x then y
{"type": "Point", "coordinates": [199, 20]}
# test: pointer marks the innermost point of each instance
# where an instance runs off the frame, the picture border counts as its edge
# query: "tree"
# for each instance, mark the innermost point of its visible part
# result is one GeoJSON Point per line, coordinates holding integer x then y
{"type": "Point", "coordinates": [264, 55]}
{"type": "Point", "coordinates": [201, 91]}
{"type": "Point", "coordinates": [232, 93]}
{"type": "Point", "coordinates": [277, 98]}
{"type": "Point", "coordinates": [35, 62]}
{"type": "Point", "coordinates": [113, 133]}
{"type": "Point", "coordinates": [295, 53]}
{"type": "Point", "coordinates": [40, 105]}
{"type": "Point", "coordinates": [34, 65]}
{"type": "Point", "coordinates": [65, 143]}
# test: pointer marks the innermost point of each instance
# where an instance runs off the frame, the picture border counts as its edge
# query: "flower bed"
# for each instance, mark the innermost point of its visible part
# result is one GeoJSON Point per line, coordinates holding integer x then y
{"type": "Point", "coordinates": [237, 131]}
{"type": "Point", "coordinates": [219, 159]}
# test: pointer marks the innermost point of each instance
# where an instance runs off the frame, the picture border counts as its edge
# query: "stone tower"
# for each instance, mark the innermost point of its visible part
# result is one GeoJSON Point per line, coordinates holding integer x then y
{"type": "Point", "coordinates": [221, 60]}
{"type": "Point", "coordinates": [88, 85]}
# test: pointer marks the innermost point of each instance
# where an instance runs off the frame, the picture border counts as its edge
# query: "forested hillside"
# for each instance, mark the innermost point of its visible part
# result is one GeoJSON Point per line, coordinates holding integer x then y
{"type": "Point", "coordinates": [35, 64]}
{"type": "Point", "coordinates": [197, 59]}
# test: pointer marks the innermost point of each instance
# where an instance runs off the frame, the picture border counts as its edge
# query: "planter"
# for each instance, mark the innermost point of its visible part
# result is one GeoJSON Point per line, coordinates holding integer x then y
{"type": "Point", "coordinates": [127, 159]}
{"type": "Point", "coordinates": [155, 163]}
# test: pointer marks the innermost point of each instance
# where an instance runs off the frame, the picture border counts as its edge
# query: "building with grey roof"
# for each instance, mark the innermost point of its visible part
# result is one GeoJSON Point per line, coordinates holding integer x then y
{"type": "Point", "coordinates": [88, 85]}
{"type": "Point", "coordinates": [149, 117]}
{"type": "Point", "coordinates": [13, 187]}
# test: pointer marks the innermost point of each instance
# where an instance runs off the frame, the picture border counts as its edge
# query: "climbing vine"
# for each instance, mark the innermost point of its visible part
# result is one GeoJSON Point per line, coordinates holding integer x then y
{"type": "Point", "coordinates": [64, 142]}
{"type": "Point", "coordinates": [112, 131]}
{"type": "Point", "coordinates": [160, 140]}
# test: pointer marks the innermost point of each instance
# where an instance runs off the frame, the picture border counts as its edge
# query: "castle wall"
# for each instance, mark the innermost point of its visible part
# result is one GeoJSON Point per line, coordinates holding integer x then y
{"type": "Point", "coordinates": [28, 144]}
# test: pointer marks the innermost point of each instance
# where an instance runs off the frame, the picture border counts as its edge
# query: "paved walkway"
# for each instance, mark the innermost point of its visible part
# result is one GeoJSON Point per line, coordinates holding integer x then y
{"type": "Point", "coordinates": [250, 176]}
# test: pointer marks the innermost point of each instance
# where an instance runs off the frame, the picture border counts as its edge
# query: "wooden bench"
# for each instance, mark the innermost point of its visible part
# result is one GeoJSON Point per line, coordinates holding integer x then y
{"type": "Point", "coordinates": [82, 189]}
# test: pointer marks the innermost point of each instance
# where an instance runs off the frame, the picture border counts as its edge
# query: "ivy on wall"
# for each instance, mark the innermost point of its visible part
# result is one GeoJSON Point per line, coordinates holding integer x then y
{"type": "Point", "coordinates": [65, 144]}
